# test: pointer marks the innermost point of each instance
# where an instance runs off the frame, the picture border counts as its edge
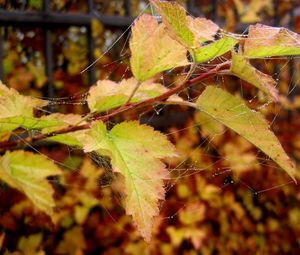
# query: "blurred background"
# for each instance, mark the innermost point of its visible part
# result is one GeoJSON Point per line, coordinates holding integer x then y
{"type": "Point", "coordinates": [224, 197]}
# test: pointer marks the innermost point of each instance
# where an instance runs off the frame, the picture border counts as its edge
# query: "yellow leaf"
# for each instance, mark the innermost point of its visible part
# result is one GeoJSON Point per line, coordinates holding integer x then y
{"type": "Point", "coordinates": [27, 172]}
{"type": "Point", "coordinates": [241, 68]}
{"type": "Point", "coordinates": [136, 152]}
{"type": "Point", "coordinates": [234, 113]}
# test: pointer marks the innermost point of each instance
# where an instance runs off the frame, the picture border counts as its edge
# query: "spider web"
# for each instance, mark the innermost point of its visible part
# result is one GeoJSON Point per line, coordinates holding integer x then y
{"type": "Point", "coordinates": [204, 159]}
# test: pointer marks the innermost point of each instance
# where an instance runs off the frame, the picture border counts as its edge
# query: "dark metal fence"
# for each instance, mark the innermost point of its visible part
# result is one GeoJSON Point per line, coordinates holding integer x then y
{"type": "Point", "coordinates": [49, 20]}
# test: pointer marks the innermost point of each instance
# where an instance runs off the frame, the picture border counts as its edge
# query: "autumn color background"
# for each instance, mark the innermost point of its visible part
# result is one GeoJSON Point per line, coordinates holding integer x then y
{"type": "Point", "coordinates": [239, 203]}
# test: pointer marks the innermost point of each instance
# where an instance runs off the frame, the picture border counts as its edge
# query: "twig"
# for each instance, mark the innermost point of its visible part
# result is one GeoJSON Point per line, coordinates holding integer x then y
{"type": "Point", "coordinates": [11, 144]}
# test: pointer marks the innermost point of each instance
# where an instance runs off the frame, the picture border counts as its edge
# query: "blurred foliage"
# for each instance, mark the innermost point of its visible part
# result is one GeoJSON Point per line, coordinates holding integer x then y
{"type": "Point", "coordinates": [23, 62]}
{"type": "Point", "coordinates": [22, 5]}
{"type": "Point", "coordinates": [212, 204]}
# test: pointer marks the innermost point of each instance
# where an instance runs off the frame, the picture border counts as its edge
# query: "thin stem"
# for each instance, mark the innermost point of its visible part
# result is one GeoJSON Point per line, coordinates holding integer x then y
{"type": "Point", "coordinates": [159, 99]}
{"type": "Point", "coordinates": [189, 74]}
{"type": "Point", "coordinates": [183, 103]}
{"type": "Point", "coordinates": [130, 96]}
{"type": "Point", "coordinates": [88, 116]}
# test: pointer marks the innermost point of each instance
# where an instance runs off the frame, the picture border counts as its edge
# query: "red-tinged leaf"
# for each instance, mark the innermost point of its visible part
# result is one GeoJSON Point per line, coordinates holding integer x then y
{"type": "Point", "coordinates": [187, 30]}
{"type": "Point", "coordinates": [153, 50]}
{"type": "Point", "coordinates": [265, 41]}
{"type": "Point", "coordinates": [107, 94]}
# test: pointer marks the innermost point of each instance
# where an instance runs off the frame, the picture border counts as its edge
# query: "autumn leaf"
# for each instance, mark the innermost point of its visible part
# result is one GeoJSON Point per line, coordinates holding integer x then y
{"type": "Point", "coordinates": [195, 234]}
{"type": "Point", "coordinates": [107, 94]}
{"type": "Point", "coordinates": [241, 68]}
{"type": "Point", "coordinates": [238, 154]}
{"type": "Point", "coordinates": [265, 41]}
{"type": "Point", "coordinates": [209, 126]}
{"type": "Point", "coordinates": [192, 213]}
{"type": "Point", "coordinates": [189, 31]}
{"type": "Point", "coordinates": [136, 152]}
{"type": "Point", "coordinates": [30, 244]}
{"type": "Point", "coordinates": [250, 13]}
{"type": "Point", "coordinates": [234, 113]}
{"type": "Point", "coordinates": [215, 49]}
{"type": "Point", "coordinates": [73, 242]}
{"type": "Point", "coordinates": [38, 74]}
{"type": "Point", "coordinates": [27, 172]}
{"type": "Point", "coordinates": [203, 29]}
{"type": "Point", "coordinates": [12, 104]}
{"type": "Point", "coordinates": [153, 50]}
{"type": "Point", "coordinates": [175, 18]}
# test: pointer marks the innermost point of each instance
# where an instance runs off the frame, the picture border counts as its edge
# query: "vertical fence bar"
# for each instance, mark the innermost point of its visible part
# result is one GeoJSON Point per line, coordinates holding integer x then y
{"type": "Point", "coordinates": [49, 58]}
{"type": "Point", "coordinates": [90, 6]}
{"type": "Point", "coordinates": [49, 62]}
{"type": "Point", "coordinates": [128, 8]}
{"type": "Point", "coordinates": [190, 5]}
{"type": "Point", "coordinates": [1, 54]}
{"type": "Point", "coordinates": [91, 46]}
{"type": "Point", "coordinates": [275, 10]}
{"type": "Point", "coordinates": [214, 12]}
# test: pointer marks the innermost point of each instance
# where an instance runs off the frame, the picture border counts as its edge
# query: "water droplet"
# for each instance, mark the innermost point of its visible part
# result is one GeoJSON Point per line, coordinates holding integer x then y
{"type": "Point", "coordinates": [227, 180]}
{"type": "Point", "coordinates": [157, 111]}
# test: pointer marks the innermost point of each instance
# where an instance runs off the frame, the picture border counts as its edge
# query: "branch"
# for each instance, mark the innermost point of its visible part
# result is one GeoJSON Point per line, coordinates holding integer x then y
{"type": "Point", "coordinates": [11, 144]}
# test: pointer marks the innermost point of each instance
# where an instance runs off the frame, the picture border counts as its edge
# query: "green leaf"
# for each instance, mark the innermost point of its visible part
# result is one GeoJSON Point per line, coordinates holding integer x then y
{"type": "Point", "coordinates": [107, 94]}
{"type": "Point", "coordinates": [136, 152]}
{"type": "Point", "coordinates": [72, 138]}
{"type": "Point", "coordinates": [234, 113]}
{"type": "Point", "coordinates": [64, 120]}
{"type": "Point", "coordinates": [27, 172]}
{"type": "Point", "coordinates": [241, 68]}
{"type": "Point", "coordinates": [266, 41]}
{"type": "Point", "coordinates": [153, 50]}
{"type": "Point", "coordinates": [215, 49]}
{"type": "Point", "coordinates": [187, 30]}
{"type": "Point", "coordinates": [175, 18]}
{"type": "Point", "coordinates": [29, 122]}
